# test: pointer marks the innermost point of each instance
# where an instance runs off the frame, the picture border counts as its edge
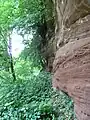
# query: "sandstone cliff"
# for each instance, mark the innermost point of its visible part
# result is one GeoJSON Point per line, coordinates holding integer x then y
{"type": "Point", "coordinates": [71, 65]}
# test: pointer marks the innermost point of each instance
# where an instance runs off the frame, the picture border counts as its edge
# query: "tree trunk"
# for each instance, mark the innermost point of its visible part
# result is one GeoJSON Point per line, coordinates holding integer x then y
{"type": "Point", "coordinates": [11, 59]}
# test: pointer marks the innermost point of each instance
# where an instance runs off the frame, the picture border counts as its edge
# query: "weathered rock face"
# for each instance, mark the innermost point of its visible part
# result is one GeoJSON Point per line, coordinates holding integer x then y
{"type": "Point", "coordinates": [71, 65]}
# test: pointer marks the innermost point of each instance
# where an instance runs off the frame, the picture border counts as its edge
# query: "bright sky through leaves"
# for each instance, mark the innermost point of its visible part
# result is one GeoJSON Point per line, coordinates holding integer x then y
{"type": "Point", "coordinates": [17, 42]}
{"type": "Point", "coordinates": [17, 45]}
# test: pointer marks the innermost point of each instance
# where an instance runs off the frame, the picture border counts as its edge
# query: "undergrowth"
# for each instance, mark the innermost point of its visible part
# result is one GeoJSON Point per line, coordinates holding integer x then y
{"type": "Point", "coordinates": [33, 99]}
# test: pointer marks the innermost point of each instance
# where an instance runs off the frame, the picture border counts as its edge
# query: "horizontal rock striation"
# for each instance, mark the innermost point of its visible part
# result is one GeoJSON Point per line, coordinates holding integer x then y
{"type": "Point", "coordinates": [71, 66]}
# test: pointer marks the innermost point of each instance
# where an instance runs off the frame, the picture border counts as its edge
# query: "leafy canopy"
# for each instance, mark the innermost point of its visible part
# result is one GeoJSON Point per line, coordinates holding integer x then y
{"type": "Point", "coordinates": [30, 96]}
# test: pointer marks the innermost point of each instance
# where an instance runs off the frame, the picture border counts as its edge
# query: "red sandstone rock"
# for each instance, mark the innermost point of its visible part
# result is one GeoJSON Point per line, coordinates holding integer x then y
{"type": "Point", "coordinates": [71, 68]}
{"type": "Point", "coordinates": [71, 65]}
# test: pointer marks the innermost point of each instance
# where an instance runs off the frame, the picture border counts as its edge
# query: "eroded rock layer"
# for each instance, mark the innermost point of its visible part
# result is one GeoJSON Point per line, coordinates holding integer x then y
{"type": "Point", "coordinates": [71, 68]}
{"type": "Point", "coordinates": [71, 65]}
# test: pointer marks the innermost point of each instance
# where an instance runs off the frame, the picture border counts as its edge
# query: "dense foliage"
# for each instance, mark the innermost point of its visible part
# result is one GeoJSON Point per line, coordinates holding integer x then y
{"type": "Point", "coordinates": [28, 98]}
{"type": "Point", "coordinates": [25, 87]}
{"type": "Point", "coordinates": [32, 98]}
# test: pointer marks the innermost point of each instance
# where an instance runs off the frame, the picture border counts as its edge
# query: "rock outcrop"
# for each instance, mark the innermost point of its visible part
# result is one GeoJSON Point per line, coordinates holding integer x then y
{"type": "Point", "coordinates": [71, 65]}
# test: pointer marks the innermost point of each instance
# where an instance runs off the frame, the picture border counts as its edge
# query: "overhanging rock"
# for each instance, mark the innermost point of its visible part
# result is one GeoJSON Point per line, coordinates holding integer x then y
{"type": "Point", "coordinates": [71, 66]}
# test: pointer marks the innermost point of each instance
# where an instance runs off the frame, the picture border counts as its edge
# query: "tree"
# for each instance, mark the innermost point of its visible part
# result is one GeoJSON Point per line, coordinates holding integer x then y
{"type": "Point", "coordinates": [11, 58]}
